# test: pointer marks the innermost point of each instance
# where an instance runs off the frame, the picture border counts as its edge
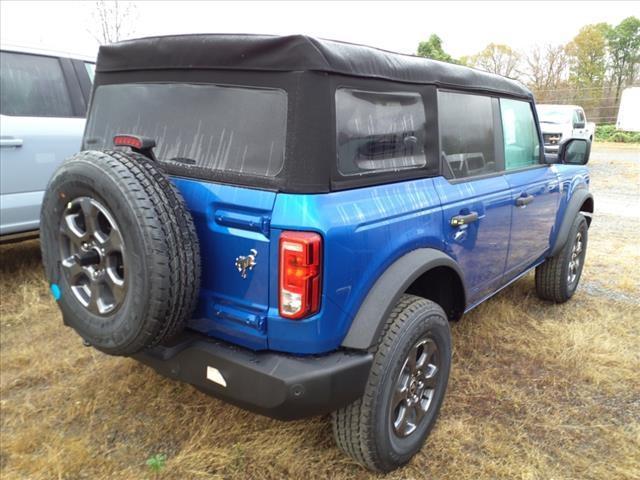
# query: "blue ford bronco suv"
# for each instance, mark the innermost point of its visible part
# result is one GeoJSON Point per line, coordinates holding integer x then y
{"type": "Point", "coordinates": [290, 223]}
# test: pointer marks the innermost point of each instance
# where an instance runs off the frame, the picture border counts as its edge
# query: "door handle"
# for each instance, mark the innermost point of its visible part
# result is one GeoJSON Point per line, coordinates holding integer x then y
{"type": "Point", "coordinates": [10, 142]}
{"type": "Point", "coordinates": [460, 220]}
{"type": "Point", "coordinates": [523, 201]}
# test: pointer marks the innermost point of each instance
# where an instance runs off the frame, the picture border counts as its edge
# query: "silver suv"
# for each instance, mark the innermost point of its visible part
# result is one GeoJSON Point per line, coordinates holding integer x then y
{"type": "Point", "coordinates": [43, 101]}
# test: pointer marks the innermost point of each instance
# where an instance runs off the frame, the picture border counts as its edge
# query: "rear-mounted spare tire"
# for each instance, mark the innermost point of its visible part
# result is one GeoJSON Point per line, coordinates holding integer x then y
{"type": "Point", "coordinates": [120, 251]}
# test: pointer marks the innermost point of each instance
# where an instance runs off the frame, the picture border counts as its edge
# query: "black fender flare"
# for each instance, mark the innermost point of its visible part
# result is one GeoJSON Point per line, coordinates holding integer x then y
{"type": "Point", "coordinates": [388, 289]}
{"type": "Point", "coordinates": [573, 208]}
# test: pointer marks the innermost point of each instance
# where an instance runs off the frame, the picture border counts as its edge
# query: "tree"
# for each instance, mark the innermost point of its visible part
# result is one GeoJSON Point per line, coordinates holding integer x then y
{"type": "Point", "coordinates": [114, 21]}
{"type": "Point", "coordinates": [432, 48]}
{"type": "Point", "coordinates": [496, 58]}
{"type": "Point", "coordinates": [546, 70]}
{"type": "Point", "coordinates": [623, 42]}
{"type": "Point", "coordinates": [587, 56]}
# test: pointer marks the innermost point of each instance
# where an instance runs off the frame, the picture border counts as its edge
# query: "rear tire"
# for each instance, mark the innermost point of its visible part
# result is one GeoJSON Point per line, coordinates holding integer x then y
{"type": "Point", "coordinates": [373, 430]}
{"type": "Point", "coordinates": [558, 277]}
{"type": "Point", "coordinates": [120, 251]}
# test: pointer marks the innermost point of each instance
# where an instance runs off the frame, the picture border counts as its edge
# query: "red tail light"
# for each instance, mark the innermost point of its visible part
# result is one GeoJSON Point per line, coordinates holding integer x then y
{"type": "Point", "coordinates": [300, 274]}
{"type": "Point", "coordinates": [127, 141]}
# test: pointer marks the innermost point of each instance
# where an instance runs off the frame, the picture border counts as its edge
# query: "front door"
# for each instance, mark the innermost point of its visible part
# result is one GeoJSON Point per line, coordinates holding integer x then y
{"type": "Point", "coordinates": [535, 187]}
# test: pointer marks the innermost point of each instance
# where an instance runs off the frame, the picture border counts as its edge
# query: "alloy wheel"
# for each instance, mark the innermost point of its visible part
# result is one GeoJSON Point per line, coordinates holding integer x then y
{"type": "Point", "coordinates": [415, 387]}
{"type": "Point", "coordinates": [576, 259]}
{"type": "Point", "coordinates": [93, 256]}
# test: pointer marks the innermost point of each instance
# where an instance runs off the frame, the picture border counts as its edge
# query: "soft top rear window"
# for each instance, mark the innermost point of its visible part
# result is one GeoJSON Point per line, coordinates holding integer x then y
{"type": "Point", "coordinates": [223, 128]}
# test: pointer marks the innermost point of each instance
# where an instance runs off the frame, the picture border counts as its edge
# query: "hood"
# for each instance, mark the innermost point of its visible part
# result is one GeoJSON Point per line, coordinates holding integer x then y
{"type": "Point", "coordinates": [554, 127]}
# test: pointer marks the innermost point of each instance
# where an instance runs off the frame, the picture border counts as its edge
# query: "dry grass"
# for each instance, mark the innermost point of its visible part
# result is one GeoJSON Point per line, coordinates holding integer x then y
{"type": "Point", "coordinates": [537, 391]}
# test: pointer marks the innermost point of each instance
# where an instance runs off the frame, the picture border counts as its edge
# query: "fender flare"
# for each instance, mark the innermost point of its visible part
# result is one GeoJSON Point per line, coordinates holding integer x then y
{"type": "Point", "coordinates": [388, 289]}
{"type": "Point", "coordinates": [573, 208]}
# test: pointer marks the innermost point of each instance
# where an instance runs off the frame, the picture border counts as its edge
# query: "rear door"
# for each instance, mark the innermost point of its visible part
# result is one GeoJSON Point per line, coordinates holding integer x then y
{"type": "Point", "coordinates": [475, 197]}
{"type": "Point", "coordinates": [41, 124]}
{"type": "Point", "coordinates": [535, 187]}
{"type": "Point", "coordinates": [233, 223]}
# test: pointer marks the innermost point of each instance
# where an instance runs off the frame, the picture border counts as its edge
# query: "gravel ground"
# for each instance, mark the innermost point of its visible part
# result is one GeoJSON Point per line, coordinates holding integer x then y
{"type": "Point", "coordinates": [615, 182]}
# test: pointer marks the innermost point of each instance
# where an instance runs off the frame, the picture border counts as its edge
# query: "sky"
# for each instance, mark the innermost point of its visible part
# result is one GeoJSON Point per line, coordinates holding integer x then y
{"type": "Point", "coordinates": [465, 27]}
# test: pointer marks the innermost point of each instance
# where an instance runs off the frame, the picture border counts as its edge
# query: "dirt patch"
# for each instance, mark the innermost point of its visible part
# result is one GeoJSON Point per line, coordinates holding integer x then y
{"type": "Point", "coordinates": [537, 391]}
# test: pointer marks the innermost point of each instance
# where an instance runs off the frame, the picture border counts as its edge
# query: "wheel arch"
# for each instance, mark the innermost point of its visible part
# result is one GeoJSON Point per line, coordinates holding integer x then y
{"type": "Point", "coordinates": [424, 272]}
{"type": "Point", "coordinates": [581, 202]}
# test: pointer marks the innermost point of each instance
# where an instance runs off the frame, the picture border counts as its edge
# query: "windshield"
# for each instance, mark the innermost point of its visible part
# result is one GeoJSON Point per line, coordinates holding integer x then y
{"type": "Point", "coordinates": [233, 129]}
{"type": "Point", "coordinates": [550, 114]}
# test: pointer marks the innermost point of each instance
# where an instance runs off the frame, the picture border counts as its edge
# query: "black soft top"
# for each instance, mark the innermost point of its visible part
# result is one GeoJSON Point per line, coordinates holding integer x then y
{"type": "Point", "coordinates": [294, 53]}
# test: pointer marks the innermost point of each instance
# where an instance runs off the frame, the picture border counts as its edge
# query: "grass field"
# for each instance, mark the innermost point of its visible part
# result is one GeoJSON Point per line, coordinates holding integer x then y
{"type": "Point", "coordinates": [537, 391]}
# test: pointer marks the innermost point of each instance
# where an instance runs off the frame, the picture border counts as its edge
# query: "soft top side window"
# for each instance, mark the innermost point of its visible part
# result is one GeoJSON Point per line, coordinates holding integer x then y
{"type": "Point", "coordinates": [379, 131]}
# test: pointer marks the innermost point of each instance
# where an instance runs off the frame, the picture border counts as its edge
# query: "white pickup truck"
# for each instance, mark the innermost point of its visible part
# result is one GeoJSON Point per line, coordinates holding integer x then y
{"type": "Point", "coordinates": [563, 121]}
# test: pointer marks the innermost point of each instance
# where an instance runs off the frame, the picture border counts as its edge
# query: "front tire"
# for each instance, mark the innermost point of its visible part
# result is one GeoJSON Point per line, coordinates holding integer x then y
{"type": "Point", "coordinates": [386, 427]}
{"type": "Point", "coordinates": [558, 277]}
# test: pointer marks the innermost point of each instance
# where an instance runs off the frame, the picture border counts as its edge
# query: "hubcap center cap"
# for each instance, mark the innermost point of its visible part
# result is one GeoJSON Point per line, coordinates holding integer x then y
{"type": "Point", "coordinates": [90, 257]}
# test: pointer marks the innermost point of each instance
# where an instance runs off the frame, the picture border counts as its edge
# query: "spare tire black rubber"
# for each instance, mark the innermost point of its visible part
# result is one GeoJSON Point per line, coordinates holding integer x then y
{"type": "Point", "coordinates": [120, 251]}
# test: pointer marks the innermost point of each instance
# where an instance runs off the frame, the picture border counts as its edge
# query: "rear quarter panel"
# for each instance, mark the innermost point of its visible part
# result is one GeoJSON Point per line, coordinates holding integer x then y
{"type": "Point", "coordinates": [364, 231]}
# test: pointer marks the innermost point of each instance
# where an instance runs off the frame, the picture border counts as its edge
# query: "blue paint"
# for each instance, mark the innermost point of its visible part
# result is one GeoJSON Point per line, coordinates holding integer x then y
{"type": "Point", "coordinates": [55, 291]}
{"type": "Point", "coordinates": [364, 231]}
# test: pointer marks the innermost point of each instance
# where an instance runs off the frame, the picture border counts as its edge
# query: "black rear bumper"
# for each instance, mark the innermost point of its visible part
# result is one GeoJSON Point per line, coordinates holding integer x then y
{"type": "Point", "coordinates": [274, 384]}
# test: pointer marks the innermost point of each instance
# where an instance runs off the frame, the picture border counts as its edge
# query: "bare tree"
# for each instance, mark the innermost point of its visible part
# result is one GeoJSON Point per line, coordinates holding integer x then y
{"type": "Point", "coordinates": [114, 20]}
{"type": "Point", "coordinates": [546, 69]}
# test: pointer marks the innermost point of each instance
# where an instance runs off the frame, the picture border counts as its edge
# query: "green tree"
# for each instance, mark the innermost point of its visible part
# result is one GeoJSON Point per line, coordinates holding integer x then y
{"type": "Point", "coordinates": [495, 58]}
{"type": "Point", "coordinates": [432, 48]}
{"type": "Point", "coordinates": [587, 56]}
{"type": "Point", "coordinates": [623, 42]}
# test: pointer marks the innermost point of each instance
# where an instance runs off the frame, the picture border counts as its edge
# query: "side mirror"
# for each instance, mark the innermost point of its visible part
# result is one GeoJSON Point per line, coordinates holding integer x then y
{"type": "Point", "coordinates": [551, 158]}
{"type": "Point", "coordinates": [578, 125]}
{"type": "Point", "coordinates": [574, 151]}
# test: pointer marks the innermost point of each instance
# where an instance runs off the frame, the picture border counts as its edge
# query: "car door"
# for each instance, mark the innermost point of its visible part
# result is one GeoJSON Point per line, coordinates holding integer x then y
{"type": "Point", "coordinates": [535, 187]}
{"type": "Point", "coordinates": [475, 197]}
{"type": "Point", "coordinates": [580, 129]}
{"type": "Point", "coordinates": [41, 124]}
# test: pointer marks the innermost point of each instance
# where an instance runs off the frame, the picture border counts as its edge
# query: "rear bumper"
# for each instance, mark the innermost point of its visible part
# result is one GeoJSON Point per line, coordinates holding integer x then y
{"type": "Point", "coordinates": [277, 385]}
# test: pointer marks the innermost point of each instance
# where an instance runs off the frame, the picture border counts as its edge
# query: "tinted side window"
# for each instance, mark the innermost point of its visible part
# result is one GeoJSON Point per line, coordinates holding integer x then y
{"type": "Point", "coordinates": [379, 132]}
{"type": "Point", "coordinates": [521, 142]}
{"type": "Point", "coordinates": [466, 134]}
{"type": "Point", "coordinates": [33, 85]}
